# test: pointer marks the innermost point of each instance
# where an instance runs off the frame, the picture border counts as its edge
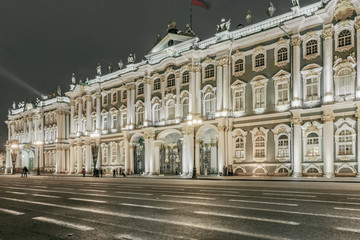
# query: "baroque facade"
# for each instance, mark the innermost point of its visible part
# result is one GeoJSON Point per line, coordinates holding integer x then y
{"type": "Point", "coordinates": [279, 97]}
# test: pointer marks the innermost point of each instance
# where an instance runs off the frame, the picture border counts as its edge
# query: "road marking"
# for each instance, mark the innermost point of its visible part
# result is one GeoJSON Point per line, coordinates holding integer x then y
{"type": "Point", "coordinates": [353, 198]}
{"type": "Point", "coordinates": [348, 230]}
{"type": "Point", "coordinates": [192, 197]}
{"type": "Point", "coordinates": [126, 236]}
{"type": "Point", "coordinates": [87, 200]}
{"type": "Point", "coordinates": [217, 191]}
{"type": "Point", "coordinates": [145, 206]}
{"type": "Point", "coordinates": [63, 223]}
{"type": "Point", "coordinates": [159, 220]}
{"type": "Point", "coordinates": [12, 212]}
{"type": "Point", "coordinates": [164, 188]}
{"type": "Point", "coordinates": [248, 218]}
{"type": "Point", "coordinates": [43, 195]}
{"type": "Point", "coordinates": [91, 190]}
{"type": "Point", "coordinates": [287, 195]}
{"type": "Point", "coordinates": [19, 193]}
{"type": "Point", "coordinates": [40, 186]}
{"type": "Point", "coordinates": [260, 202]}
{"type": "Point", "coordinates": [62, 188]}
{"type": "Point", "coordinates": [145, 194]}
{"type": "Point", "coordinates": [347, 209]}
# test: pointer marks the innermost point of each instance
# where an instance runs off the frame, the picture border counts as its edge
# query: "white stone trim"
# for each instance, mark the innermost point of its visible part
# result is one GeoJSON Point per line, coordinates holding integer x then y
{"type": "Point", "coordinates": [259, 132]}
{"type": "Point", "coordinates": [259, 81]}
{"type": "Point", "coordinates": [282, 43]}
{"type": "Point", "coordinates": [278, 131]}
{"type": "Point", "coordinates": [237, 56]}
{"type": "Point", "coordinates": [311, 35]}
{"type": "Point", "coordinates": [308, 128]}
{"type": "Point", "coordinates": [310, 71]}
{"type": "Point", "coordinates": [237, 86]}
{"type": "Point", "coordinates": [340, 65]}
{"type": "Point", "coordinates": [238, 133]}
{"type": "Point", "coordinates": [280, 78]}
{"type": "Point", "coordinates": [259, 50]}
{"type": "Point", "coordinates": [341, 26]}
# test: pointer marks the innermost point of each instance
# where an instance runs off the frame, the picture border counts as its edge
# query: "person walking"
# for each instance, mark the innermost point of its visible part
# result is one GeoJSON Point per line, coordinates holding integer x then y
{"type": "Point", "coordinates": [83, 172]}
{"type": "Point", "coordinates": [114, 172]}
{"type": "Point", "coordinates": [25, 171]}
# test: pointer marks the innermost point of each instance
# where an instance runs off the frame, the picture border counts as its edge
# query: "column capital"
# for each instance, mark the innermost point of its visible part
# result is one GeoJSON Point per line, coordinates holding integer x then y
{"type": "Point", "coordinates": [297, 121]}
{"type": "Point", "coordinates": [357, 24]}
{"type": "Point", "coordinates": [147, 80]}
{"type": "Point", "coordinates": [222, 61]}
{"type": "Point", "coordinates": [328, 33]}
{"type": "Point", "coordinates": [296, 41]}
{"type": "Point", "coordinates": [327, 118]}
{"type": "Point", "coordinates": [357, 114]}
{"type": "Point", "coordinates": [88, 98]}
{"type": "Point", "coordinates": [72, 102]}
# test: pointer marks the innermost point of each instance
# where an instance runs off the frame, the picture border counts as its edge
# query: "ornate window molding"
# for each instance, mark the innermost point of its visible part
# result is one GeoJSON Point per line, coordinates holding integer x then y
{"type": "Point", "coordinates": [344, 36]}
{"type": "Point", "coordinates": [114, 119]}
{"type": "Point", "coordinates": [311, 75]}
{"type": "Point", "coordinates": [113, 147]}
{"type": "Point", "coordinates": [170, 110]}
{"type": "Point", "coordinates": [345, 139]}
{"type": "Point", "coordinates": [239, 140]}
{"type": "Point", "coordinates": [311, 45]}
{"type": "Point", "coordinates": [238, 64]}
{"type": "Point", "coordinates": [208, 69]}
{"type": "Point", "coordinates": [344, 78]}
{"type": "Point", "coordinates": [312, 141]}
{"type": "Point", "coordinates": [140, 90]}
{"type": "Point", "coordinates": [124, 95]}
{"type": "Point", "coordinates": [239, 99]}
{"type": "Point", "coordinates": [170, 80]}
{"type": "Point", "coordinates": [156, 110]}
{"type": "Point", "coordinates": [282, 53]}
{"type": "Point", "coordinates": [185, 104]}
{"type": "Point", "coordinates": [105, 119]}
{"type": "Point", "coordinates": [209, 102]}
{"type": "Point", "coordinates": [105, 99]}
{"type": "Point", "coordinates": [259, 59]}
{"type": "Point", "coordinates": [259, 139]}
{"type": "Point", "coordinates": [157, 85]}
{"type": "Point", "coordinates": [259, 86]}
{"type": "Point", "coordinates": [185, 77]}
{"type": "Point", "coordinates": [105, 153]}
{"type": "Point", "coordinates": [139, 114]}
{"type": "Point", "coordinates": [282, 138]}
{"type": "Point", "coordinates": [282, 92]}
{"type": "Point", "coordinates": [114, 97]}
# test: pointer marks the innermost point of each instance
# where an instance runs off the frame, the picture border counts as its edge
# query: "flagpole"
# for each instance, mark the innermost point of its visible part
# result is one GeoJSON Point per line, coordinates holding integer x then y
{"type": "Point", "coordinates": [191, 14]}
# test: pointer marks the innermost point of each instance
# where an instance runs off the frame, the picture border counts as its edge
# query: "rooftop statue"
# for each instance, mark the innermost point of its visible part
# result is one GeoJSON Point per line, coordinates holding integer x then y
{"type": "Point", "coordinates": [98, 69]}
{"type": "Point", "coordinates": [73, 79]}
{"type": "Point", "coordinates": [188, 31]}
{"type": "Point", "coordinates": [271, 10]}
{"type": "Point", "coordinates": [58, 91]}
{"type": "Point", "coordinates": [249, 17]}
{"type": "Point", "coordinates": [21, 104]}
{"type": "Point", "coordinates": [295, 3]}
{"type": "Point", "coordinates": [14, 105]}
{"type": "Point", "coordinates": [120, 64]}
{"type": "Point", "coordinates": [37, 101]}
{"type": "Point", "coordinates": [110, 68]}
{"type": "Point", "coordinates": [131, 58]}
{"type": "Point", "coordinates": [223, 25]}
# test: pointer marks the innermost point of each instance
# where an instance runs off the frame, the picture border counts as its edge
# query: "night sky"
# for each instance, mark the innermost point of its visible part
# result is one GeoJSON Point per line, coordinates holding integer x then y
{"type": "Point", "coordinates": [42, 42]}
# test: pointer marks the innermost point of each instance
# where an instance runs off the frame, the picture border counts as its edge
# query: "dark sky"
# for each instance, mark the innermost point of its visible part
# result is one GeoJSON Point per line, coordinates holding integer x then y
{"type": "Point", "coordinates": [42, 42]}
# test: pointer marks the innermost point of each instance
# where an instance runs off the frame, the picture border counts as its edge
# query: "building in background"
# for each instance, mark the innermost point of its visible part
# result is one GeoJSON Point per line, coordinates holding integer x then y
{"type": "Point", "coordinates": [279, 97]}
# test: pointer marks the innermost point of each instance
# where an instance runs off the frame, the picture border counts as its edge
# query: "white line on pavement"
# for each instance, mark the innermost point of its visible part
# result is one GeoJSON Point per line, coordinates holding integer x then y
{"type": "Point", "coordinates": [247, 218]}
{"type": "Point", "coordinates": [63, 223]}
{"type": "Point", "coordinates": [348, 229]}
{"type": "Point", "coordinates": [166, 188]}
{"type": "Point", "coordinates": [43, 195]}
{"type": "Point", "coordinates": [62, 188]}
{"type": "Point", "coordinates": [260, 202]}
{"type": "Point", "coordinates": [145, 206]}
{"type": "Point", "coordinates": [192, 197]}
{"type": "Point", "coordinates": [145, 194]}
{"type": "Point", "coordinates": [347, 209]}
{"type": "Point", "coordinates": [287, 195]}
{"type": "Point", "coordinates": [163, 221]}
{"type": "Point", "coordinates": [12, 212]}
{"type": "Point", "coordinates": [19, 193]}
{"type": "Point", "coordinates": [92, 190]}
{"type": "Point", "coordinates": [217, 191]}
{"type": "Point", "coordinates": [39, 186]}
{"type": "Point", "coordinates": [87, 200]}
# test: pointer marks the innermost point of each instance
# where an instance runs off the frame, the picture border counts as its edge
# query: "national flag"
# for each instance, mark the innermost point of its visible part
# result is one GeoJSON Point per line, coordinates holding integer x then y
{"type": "Point", "coordinates": [201, 3]}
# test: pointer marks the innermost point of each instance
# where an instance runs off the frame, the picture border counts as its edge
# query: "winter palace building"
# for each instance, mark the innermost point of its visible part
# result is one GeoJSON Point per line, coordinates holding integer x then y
{"type": "Point", "coordinates": [279, 97]}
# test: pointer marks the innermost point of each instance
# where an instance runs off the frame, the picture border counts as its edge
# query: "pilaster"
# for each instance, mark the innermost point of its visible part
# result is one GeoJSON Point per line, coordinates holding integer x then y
{"type": "Point", "coordinates": [297, 98]}
{"type": "Point", "coordinates": [327, 35]}
{"type": "Point", "coordinates": [328, 119]}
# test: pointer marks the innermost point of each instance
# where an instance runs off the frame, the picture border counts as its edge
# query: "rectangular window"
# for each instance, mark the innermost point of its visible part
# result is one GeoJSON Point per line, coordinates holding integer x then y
{"type": "Point", "coordinates": [113, 154]}
{"type": "Point", "coordinates": [124, 120]}
{"type": "Point", "coordinates": [283, 91]}
{"type": "Point", "coordinates": [239, 101]}
{"type": "Point", "coordinates": [260, 97]}
{"type": "Point", "coordinates": [312, 89]}
{"type": "Point", "coordinates": [105, 119]}
{"type": "Point", "coordinates": [114, 121]}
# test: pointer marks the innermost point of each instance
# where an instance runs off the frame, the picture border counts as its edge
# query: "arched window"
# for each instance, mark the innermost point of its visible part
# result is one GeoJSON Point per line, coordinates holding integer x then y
{"type": "Point", "coordinates": [105, 100]}
{"type": "Point", "coordinates": [124, 119]}
{"type": "Point", "coordinates": [345, 143]}
{"type": "Point", "coordinates": [114, 97]}
{"type": "Point", "coordinates": [239, 147]}
{"type": "Point", "coordinates": [157, 84]}
{"type": "Point", "coordinates": [105, 123]}
{"type": "Point", "coordinates": [260, 60]}
{"type": "Point", "coordinates": [124, 95]}
{"type": "Point", "coordinates": [344, 38]}
{"type": "Point", "coordinates": [156, 113]}
{"type": "Point", "coordinates": [282, 55]}
{"type": "Point", "coordinates": [311, 47]}
{"type": "Point", "coordinates": [282, 91]}
{"type": "Point", "coordinates": [185, 77]}
{"type": "Point", "coordinates": [113, 154]}
{"type": "Point", "coordinates": [171, 80]}
{"type": "Point", "coordinates": [114, 120]}
{"type": "Point", "coordinates": [209, 106]}
{"type": "Point", "coordinates": [185, 105]}
{"type": "Point", "coordinates": [105, 155]}
{"type": "Point", "coordinates": [345, 82]}
{"type": "Point", "coordinates": [141, 89]}
{"type": "Point", "coordinates": [140, 116]}
{"type": "Point", "coordinates": [171, 110]}
{"type": "Point", "coordinates": [239, 65]}
{"type": "Point", "coordinates": [239, 101]}
{"type": "Point", "coordinates": [260, 147]}
{"type": "Point", "coordinates": [283, 146]}
{"type": "Point", "coordinates": [312, 145]}
{"type": "Point", "coordinates": [209, 71]}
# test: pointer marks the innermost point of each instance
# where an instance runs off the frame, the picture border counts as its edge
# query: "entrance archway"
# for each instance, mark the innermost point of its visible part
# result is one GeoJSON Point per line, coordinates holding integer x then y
{"type": "Point", "coordinates": [171, 153]}
{"type": "Point", "coordinates": [139, 155]}
{"type": "Point", "coordinates": [208, 150]}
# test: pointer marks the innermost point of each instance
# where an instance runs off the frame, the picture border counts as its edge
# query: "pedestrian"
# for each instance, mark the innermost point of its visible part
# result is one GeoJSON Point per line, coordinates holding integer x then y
{"type": "Point", "coordinates": [114, 172]}
{"type": "Point", "coordinates": [101, 172]}
{"type": "Point", "coordinates": [25, 171]}
{"type": "Point", "coordinates": [22, 172]}
{"type": "Point", "coordinates": [83, 172]}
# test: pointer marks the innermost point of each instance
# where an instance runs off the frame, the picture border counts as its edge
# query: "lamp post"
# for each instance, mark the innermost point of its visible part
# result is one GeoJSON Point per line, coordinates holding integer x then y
{"type": "Point", "coordinates": [39, 144]}
{"type": "Point", "coordinates": [194, 123]}
{"type": "Point", "coordinates": [14, 147]}
{"type": "Point", "coordinates": [94, 148]}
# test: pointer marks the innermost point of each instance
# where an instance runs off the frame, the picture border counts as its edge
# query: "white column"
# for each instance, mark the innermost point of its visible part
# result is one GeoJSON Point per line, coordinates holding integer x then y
{"type": "Point", "coordinates": [157, 157]}
{"type": "Point", "coordinates": [163, 87]}
{"type": "Point", "coordinates": [197, 156]}
{"type": "Point", "coordinates": [358, 142]}
{"type": "Point", "coordinates": [178, 104]}
{"type": "Point", "coordinates": [131, 159]}
{"type": "Point", "coordinates": [8, 160]}
{"type": "Point", "coordinates": [189, 137]}
{"type": "Point", "coordinates": [198, 90]}
{"type": "Point", "coordinates": [127, 159]}
{"type": "Point", "coordinates": [328, 62]}
{"type": "Point", "coordinates": [147, 85]}
{"type": "Point", "coordinates": [88, 114]}
{"type": "Point", "coordinates": [226, 85]}
{"type": "Point", "coordinates": [328, 145]}
{"type": "Point", "coordinates": [219, 88]}
{"type": "Point", "coordinates": [192, 89]}
{"type": "Point", "coordinates": [133, 105]}
{"type": "Point", "coordinates": [357, 26]}
{"type": "Point", "coordinates": [297, 98]}
{"type": "Point", "coordinates": [297, 148]}
{"type": "Point", "coordinates": [152, 156]}
{"type": "Point", "coordinates": [79, 158]}
{"type": "Point", "coordinates": [185, 158]}
{"type": "Point", "coordinates": [67, 158]}
{"type": "Point", "coordinates": [221, 149]}
{"type": "Point", "coordinates": [98, 112]}
{"type": "Point", "coordinates": [230, 150]}
{"type": "Point", "coordinates": [147, 155]}
{"type": "Point", "coordinates": [71, 158]}
{"type": "Point", "coordinates": [88, 156]}
{"type": "Point", "coordinates": [80, 115]}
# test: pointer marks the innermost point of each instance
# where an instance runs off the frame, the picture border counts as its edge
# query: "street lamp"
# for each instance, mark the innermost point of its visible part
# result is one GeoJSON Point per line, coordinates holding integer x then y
{"type": "Point", "coordinates": [194, 123]}
{"type": "Point", "coordinates": [39, 144]}
{"type": "Point", "coordinates": [94, 148]}
{"type": "Point", "coordinates": [14, 147]}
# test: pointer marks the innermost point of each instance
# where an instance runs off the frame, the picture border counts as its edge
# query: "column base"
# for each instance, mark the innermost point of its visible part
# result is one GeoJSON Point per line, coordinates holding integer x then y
{"type": "Point", "coordinates": [295, 174]}
{"type": "Point", "coordinates": [329, 175]}
{"type": "Point", "coordinates": [358, 175]}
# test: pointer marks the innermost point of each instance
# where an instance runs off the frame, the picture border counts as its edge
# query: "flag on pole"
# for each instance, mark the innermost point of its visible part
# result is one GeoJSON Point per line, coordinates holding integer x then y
{"type": "Point", "coordinates": [201, 3]}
